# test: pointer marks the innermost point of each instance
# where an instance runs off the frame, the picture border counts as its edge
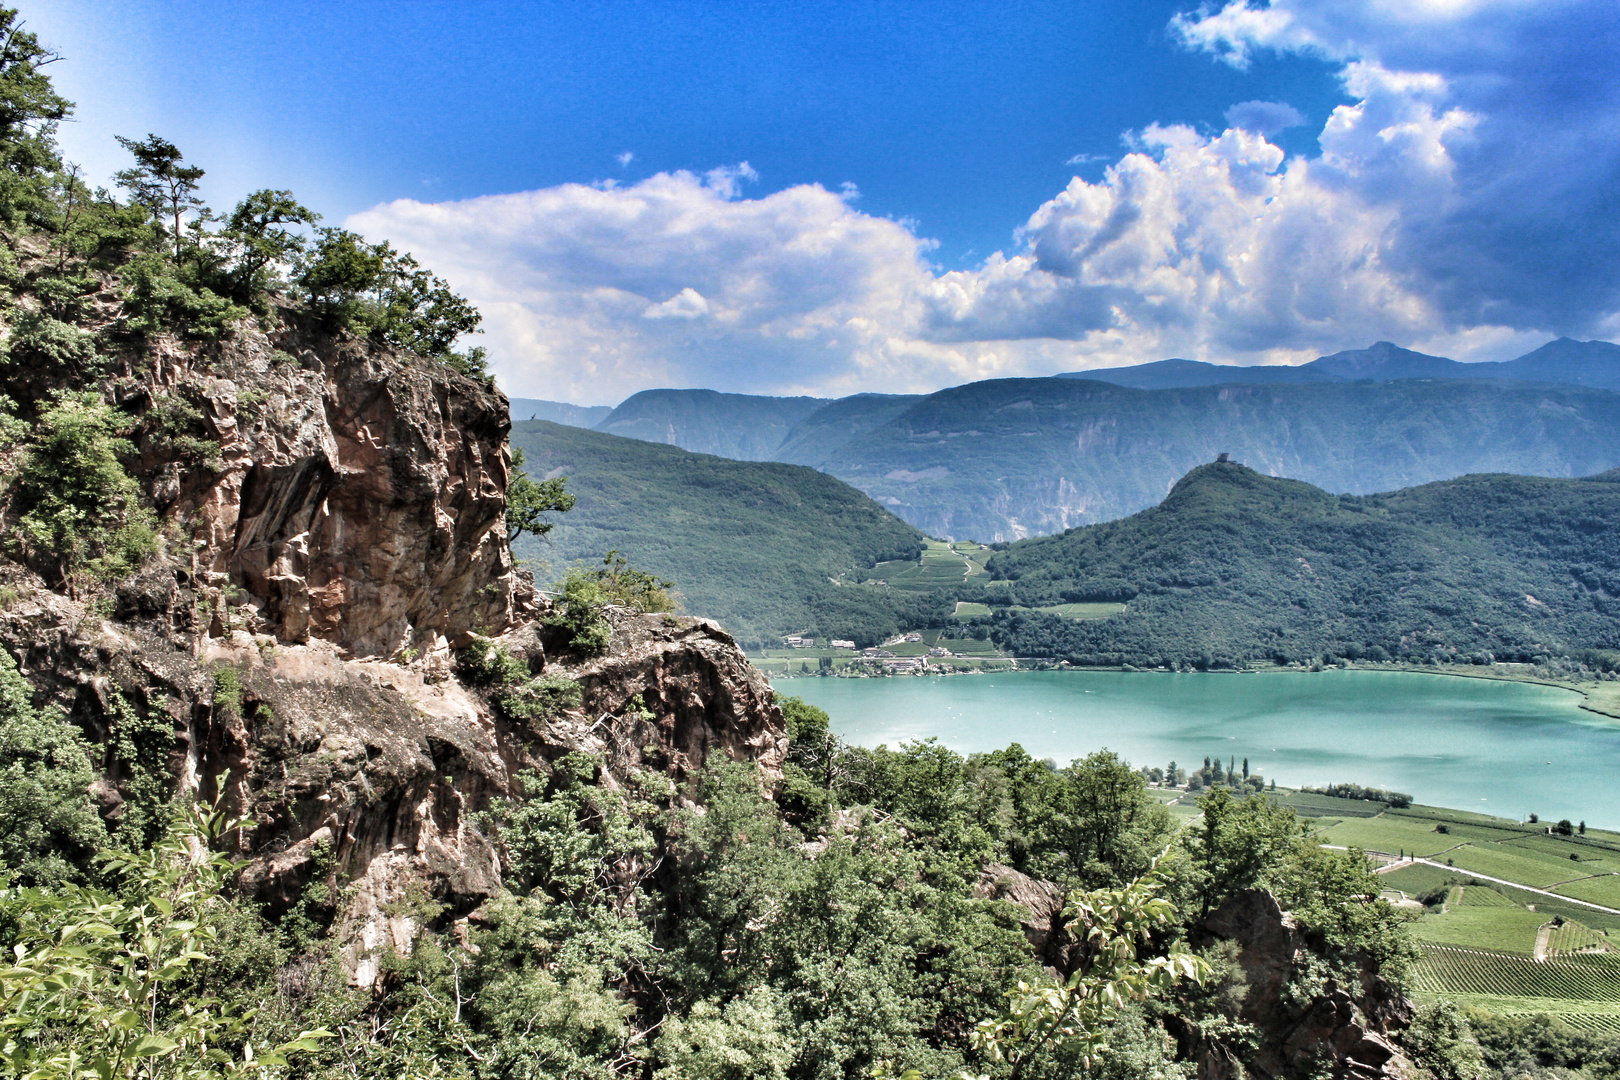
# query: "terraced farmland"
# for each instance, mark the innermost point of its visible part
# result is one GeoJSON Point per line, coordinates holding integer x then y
{"type": "Point", "coordinates": [1584, 976]}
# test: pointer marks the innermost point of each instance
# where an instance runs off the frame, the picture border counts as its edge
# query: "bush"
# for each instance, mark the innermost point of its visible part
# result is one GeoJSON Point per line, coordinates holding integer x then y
{"type": "Point", "coordinates": [80, 519]}
{"type": "Point", "coordinates": [584, 593]}
{"type": "Point", "coordinates": [48, 829]}
{"type": "Point", "coordinates": [158, 300]}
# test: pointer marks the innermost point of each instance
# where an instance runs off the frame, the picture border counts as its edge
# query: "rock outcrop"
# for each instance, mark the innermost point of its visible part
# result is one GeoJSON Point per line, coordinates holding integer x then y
{"type": "Point", "coordinates": [358, 495]}
{"type": "Point", "coordinates": [346, 538]}
{"type": "Point", "coordinates": [1303, 1027]}
{"type": "Point", "coordinates": [1040, 905]}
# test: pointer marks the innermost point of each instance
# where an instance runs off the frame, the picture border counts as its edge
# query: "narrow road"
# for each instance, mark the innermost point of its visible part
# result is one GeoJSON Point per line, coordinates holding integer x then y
{"type": "Point", "coordinates": [1410, 860]}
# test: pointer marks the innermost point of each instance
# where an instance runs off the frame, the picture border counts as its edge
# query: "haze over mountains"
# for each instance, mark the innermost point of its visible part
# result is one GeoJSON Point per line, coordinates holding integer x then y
{"type": "Point", "coordinates": [1579, 363]}
{"type": "Point", "coordinates": [1009, 458]}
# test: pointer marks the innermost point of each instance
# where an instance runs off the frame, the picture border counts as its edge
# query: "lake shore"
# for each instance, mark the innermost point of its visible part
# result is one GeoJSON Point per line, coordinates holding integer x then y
{"type": "Point", "coordinates": [1600, 698]}
{"type": "Point", "coordinates": [1443, 742]}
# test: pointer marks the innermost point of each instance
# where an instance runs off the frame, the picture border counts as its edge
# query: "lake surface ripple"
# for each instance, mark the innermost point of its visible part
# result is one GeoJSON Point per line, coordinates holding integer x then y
{"type": "Point", "coordinates": [1473, 744]}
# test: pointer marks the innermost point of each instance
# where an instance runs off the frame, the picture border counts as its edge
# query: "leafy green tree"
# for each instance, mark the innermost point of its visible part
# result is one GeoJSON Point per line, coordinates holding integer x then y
{"type": "Point", "coordinates": [743, 1039]}
{"type": "Point", "coordinates": [30, 110]}
{"type": "Point", "coordinates": [1242, 843]}
{"type": "Point", "coordinates": [528, 503]}
{"type": "Point", "coordinates": [257, 240]}
{"type": "Point", "coordinates": [1334, 895]}
{"type": "Point", "coordinates": [81, 518]}
{"type": "Point", "coordinates": [1106, 827]}
{"type": "Point", "coordinates": [90, 989]}
{"type": "Point", "coordinates": [375, 291]}
{"type": "Point", "coordinates": [1441, 1043]}
{"type": "Point", "coordinates": [48, 828]}
{"type": "Point", "coordinates": [1122, 964]}
{"type": "Point", "coordinates": [164, 184]}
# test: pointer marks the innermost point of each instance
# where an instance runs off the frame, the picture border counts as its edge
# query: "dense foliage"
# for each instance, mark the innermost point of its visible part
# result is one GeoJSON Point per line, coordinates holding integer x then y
{"type": "Point", "coordinates": [1234, 566]}
{"type": "Point", "coordinates": [753, 545]}
{"type": "Point", "coordinates": [836, 930]}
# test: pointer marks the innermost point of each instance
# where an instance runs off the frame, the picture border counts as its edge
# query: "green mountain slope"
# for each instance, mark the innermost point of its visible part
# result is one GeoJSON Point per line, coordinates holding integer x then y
{"type": "Point", "coordinates": [745, 427]}
{"type": "Point", "coordinates": [752, 544]}
{"type": "Point", "coordinates": [1237, 566]}
{"type": "Point", "coordinates": [1011, 458]}
{"type": "Point", "coordinates": [815, 437]}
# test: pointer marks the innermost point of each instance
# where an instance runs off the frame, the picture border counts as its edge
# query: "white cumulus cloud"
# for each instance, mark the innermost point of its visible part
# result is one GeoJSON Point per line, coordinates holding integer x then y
{"type": "Point", "coordinates": [1463, 202]}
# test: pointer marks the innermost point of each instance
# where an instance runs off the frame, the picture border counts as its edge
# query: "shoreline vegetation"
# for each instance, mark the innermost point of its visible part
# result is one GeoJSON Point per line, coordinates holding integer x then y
{"type": "Point", "coordinates": [1600, 698]}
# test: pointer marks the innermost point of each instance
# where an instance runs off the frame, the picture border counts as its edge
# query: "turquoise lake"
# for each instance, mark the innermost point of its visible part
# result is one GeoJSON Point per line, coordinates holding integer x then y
{"type": "Point", "coordinates": [1498, 747]}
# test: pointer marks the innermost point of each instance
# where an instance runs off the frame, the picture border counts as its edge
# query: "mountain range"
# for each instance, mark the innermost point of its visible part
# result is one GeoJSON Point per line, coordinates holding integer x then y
{"type": "Point", "coordinates": [1580, 363]}
{"type": "Point", "coordinates": [1236, 566]}
{"type": "Point", "coordinates": [1004, 459]}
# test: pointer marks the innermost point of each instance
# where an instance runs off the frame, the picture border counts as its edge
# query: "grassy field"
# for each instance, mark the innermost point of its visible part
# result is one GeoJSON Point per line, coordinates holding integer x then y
{"type": "Point", "coordinates": [1310, 805]}
{"type": "Point", "coordinates": [941, 567]}
{"type": "Point", "coordinates": [1504, 929]}
{"type": "Point", "coordinates": [1083, 611]}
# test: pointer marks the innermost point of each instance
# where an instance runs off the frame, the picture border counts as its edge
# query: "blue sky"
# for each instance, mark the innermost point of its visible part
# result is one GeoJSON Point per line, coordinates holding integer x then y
{"type": "Point", "coordinates": [932, 192]}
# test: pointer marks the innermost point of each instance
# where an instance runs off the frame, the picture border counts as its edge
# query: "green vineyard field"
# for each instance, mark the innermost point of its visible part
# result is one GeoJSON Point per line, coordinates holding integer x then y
{"type": "Point", "coordinates": [1582, 989]}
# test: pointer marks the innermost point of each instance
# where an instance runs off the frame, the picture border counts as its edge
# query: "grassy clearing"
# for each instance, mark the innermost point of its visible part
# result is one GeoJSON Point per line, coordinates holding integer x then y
{"type": "Point", "coordinates": [1081, 612]}
{"type": "Point", "coordinates": [1515, 862]}
{"type": "Point", "coordinates": [1503, 929]}
{"type": "Point", "coordinates": [940, 567]}
{"type": "Point", "coordinates": [1417, 880]}
{"type": "Point", "coordinates": [1309, 805]}
{"type": "Point", "coordinates": [1602, 698]}
{"type": "Point", "coordinates": [1601, 890]}
{"type": "Point", "coordinates": [1392, 834]}
{"type": "Point", "coordinates": [967, 610]}
{"type": "Point", "coordinates": [1479, 896]}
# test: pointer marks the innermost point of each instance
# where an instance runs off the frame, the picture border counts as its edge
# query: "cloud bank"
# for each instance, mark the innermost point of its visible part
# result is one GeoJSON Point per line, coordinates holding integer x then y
{"type": "Point", "coordinates": [1465, 202]}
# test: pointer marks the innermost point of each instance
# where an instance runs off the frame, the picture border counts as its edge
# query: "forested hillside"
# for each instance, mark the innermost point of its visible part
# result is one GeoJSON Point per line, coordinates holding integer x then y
{"type": "Point", "coordinates": [1236, 566]}
{"type": "Point", "coordinates": [755, 545]}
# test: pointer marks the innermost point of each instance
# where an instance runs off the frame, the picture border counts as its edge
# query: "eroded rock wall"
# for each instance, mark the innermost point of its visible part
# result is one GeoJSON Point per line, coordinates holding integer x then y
{"type": "Point", "coordinates": [346, 538]}
{"type": "Point", "coordinates": [358, 496]}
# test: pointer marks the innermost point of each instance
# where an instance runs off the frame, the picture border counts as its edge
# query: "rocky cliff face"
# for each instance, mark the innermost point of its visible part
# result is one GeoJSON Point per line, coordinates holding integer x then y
{"type": "Point", "coordinates": [345, 539]}
{"type": "Point", "coordinates": [357, 497]}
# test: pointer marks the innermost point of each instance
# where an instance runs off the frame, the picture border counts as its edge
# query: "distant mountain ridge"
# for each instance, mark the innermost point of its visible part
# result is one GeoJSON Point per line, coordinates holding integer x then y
{"type": "Point", "coordinates": [1578, 363]}
{"type": "Point", "coordinates": [1012, 458]}
{"type": "Point", "coordinates": [1234, 566]}
{"type": "Point", "coordinates": [558, 412]}
{"type": "Point", "coordinates": [1004, 459]}
{"type": "Point", "coordinates": [744, 427]}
